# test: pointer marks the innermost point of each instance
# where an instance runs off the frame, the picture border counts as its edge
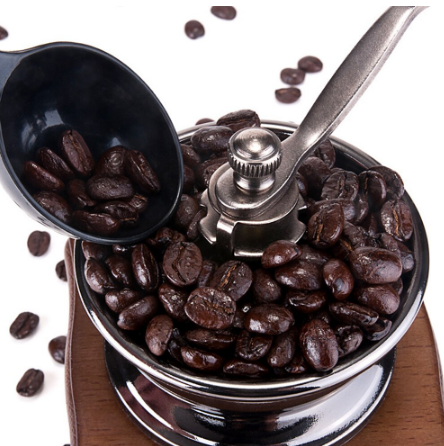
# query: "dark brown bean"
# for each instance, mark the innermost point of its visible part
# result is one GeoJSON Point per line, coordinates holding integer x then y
{"type": "Point", "coordinates": [122, 211]}
{"type": "Point", "coordinates": [287, 95]}
{"type": "Point", "coordinates": [407, 257]}
{"type": "Point", "coordinates": [201, 360]}
{"type": "Point", "coordinates": [109, 188]}
{"type": "Point", "coordinates": [211, 140]}
{"type": "Point", "coordinates": [352, 237]}
{"type": "Point", "coordinates": [210, 308]}
{"type": "Point", "coordinates": [141, 173]}
{"type": "Point", "coordinates": [57, 347]}
{"type": "Point", "coordinates": [300, 275]}
{"type": "Point", "coordinates": [145, 268]}
{"type": "Point", "coordinates": [297, 365]}
{"type": "Point", "coordinates": [118, 300]}
{"type": "Point", "coordinates": [139, 202]}
{"type": "Point", "coordinates": [396, 219]}
{"type": "Point", "coordinates": [76, 153]}
{"type": "Point", "coordinates": [265, 288]}
{"type": "Point", "coordinates": [381, 298]}
{"type": "Point", "coordinates": [313, 255]}
{"type": "Point", "coordinates": [239, 367]}
{"type": "Point", "coordinates": [270, 319]}
{"type": "Point", "coordinates": [283, 348]}
{"type": "Point", "coordinates": [139, 313]}
{"type": "Point", "coordinates": [310, 64]}
{"type": "Point", "coordinates": [233, 278]}
{"type": "Point", "coordinates": [206, 169]}
{"type": "Point", "coordinates": [338, 278]}
{"type": "Point", "coordinates": [353, 314]}
{"type": "Point", "coordinates": [240, 119]}
{"type": "Point", "coordinates": [55, 205]}
{"type": "Point", "coordinates": [206, 273]}
{"type": "Point", "coordinates": [38, 243]}
{"type": "Point", "coordinates": [204, 121]}
{"type": "Point", "coordinates": [326, 152]}
{"type": "Point", "coordinates": [78, 196]}
{"type": "Point", "coordinates": [97, 276]}
{"type": "Point", "coordinates": [194, 29]}
{"type": "Point", "coordinates": [111, 162]}
{"type": "Point", "coordinates": [173, 300]}
{"type": "Point", "coordinates": [210, 339]}
{"type": "Point", "coordinates": [378, 330]}
{"type": "Point", "coordinates": [279, 253]}
{"type": "Point", "coordinates": [30, 383]}
{"type": "Point", "coordinates": [292, 76]}
{"type": "Point", "coordinates": [187, 209]}
{"type": "Point", "coordinates": [121, 269]}
{"type": "Point", "coordinates": [95, 250]}
{"type": "Point", "coordinates": [374, 187]}
{"type": "Point", "coordinates": [252, 347]}
{"type": "Point", "coordinates": [306, 301]}
{"type": "Point", "coordinates": [362, 209]}
{"type": "Point", "coordinates": [190, 157]}
{"type": "Point", "coordinates": [319, 345]}
{"type": "Point", "coordinates": [375, 266]}
{"type": "Point", "coordinates": [60, 270]}
{"type": "Point", "coordinates": [349, 338]}
{"type": "Point", "coordinates": [164, 237]}
{"type": "Point", "coordinates": [41, 179]}
{"type": "Point", "coordinates": [54, 164]}
{"type": "Point", "coordinates": [315, 172]}
{"type": "Point", "coordinates": [24, 325]}
{"type": "Point", "coordinates": [224, 12]}
{"type": "Point", "coordinates": [182, 263]}
{"type": "Point", "coordinates": [325, 227]}
{"type": "Point", "coordinates": [341, 184]}
{"type": "Point", "coordinates": [94, 223]}
{"type": "Point", "coordinates": [158, 334]}
{"type": "Point", "coordinates": [348, 207]}
{"type": "Point", "coordinates": [394, 183]}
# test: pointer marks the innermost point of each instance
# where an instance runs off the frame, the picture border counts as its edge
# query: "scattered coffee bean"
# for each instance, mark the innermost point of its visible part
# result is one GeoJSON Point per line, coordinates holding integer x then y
{"type": "Point", "coordinates": [60, 270]}
{"type": "Point", "coordinates": [292, 76]}
{"type": "Point", "coordinates": [224, 12]}
{"type": "Point", "coordinates": [57, 348]}
{"type": "Point", "coordinates": [24, 325]}
{"type": "Point", "coordinates": [287, 95]}
{"type": "Point", "coordinates": [30, 383]}
{"type": "Point", "coordinates": [240, 119]}
{"type": "Point", "coordinates": [194, 29]}
{"type": "Point", "coordinates": [38, 243]}
{"type": "Point", "coordinates": [310, 64]}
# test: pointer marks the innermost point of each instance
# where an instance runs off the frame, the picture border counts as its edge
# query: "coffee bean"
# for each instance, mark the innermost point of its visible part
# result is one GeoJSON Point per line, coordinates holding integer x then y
{"type": "Point", "coordinates": [233, 278]}
{"type": "Point", "coordinates": [141, 173]}
{"type": "Point", "coordinates": [297, 365]}
{"type": "Point", "coordinates": [349, 338]}
{"type": "Point", "coordinates": [315, 172]}
{"type": "Point", "coordinates": [121, 270]}
{"type": "Point", "coordinates": [326, 152]}
{"type": "Point", "coordinates": [353, 314]}
{"type": "Point", "coordinates": [270, 319]}
{"type": "Point", "coordinates": [139, 202]}
{"type": "Point", "coordinates": [109, 188]}
{"type": "Point", "coordinates": [252, 347]}
{"type": "Point", "coordinates": [38, 243]}
{"type": "Point", "coordinates": [95, 223]}
{"type": "Point", "coordinates": [348, 207]}
{"type": "Point", "coordinates": [187, 209]}
{"type": "Point", "coordinates": [265, 288]}
{"type": "Point", "coordinates": [310, 64]}
{"type": "Point", "coordinates": [118, 300]}
{"type": "Point", "coordinates": [60, 270]}
{"type": "Point", "coordinates": [138, 314]}
{"type": "Point", "coordinates": [206, 273]}
{"type": "Point", "coordinates": [111, 162]}
{"type": "Point", "coordinates": [76, 153]}
{"type": "Point", "coordinates": [30, 383]}
{"type": "Point", "coordinates": [211, 339]}
{"type": "Point", "coordinates": [190, 157]}
{"type": "Point", "coordinates": [224, 12]}
{"type": "Point", "coordinates": [98, 277]}
{"type": "Point", "coordinates": [54, 164]}
{"type": "Point", "coordinates": [379, 330]}
{"type": "Point", "coordinates": [24, 325]}
{"type": "Point", "coordinates": [352, 238]}
{"type": "Point", "coordinates": [206, 169]}
{"type": "Point", "coordinates": [182, 263]}
{"type": "Point", "coordinates": [292, 76]}
{"type": "Point", "coordinates": [306, 301]}
{"type": "Point", "coordinates": [120, 210]}
{"type": "Point", "coordinates": [407, 257]}
{"type": "Point", "coordinates": [287, 95]}
{"type": "Point", "coordinates": [145, 268]}
{"type": "Point", "coordinates": [396, 219]}
{"type": "Point", "coordinates": [394, 183]}
{"type": "Point", "coordinates": [78, 195]}
{"type": "Point", "coordinates": [279, 253]}
{"type": "Point", "coordinates": [325, 227]}
{"type": "Point", "coordinates": [374, 187]}
{"type": "Point", "coordinates": [194, 29]}
{"type": "Point", "coordinates": [41, 179]}
{"type": "Point", "coordinates": [283, 348]}
{"type": "Point", "coordinates": [239, 367]}
{"type": "Point", "coordinates": [55, 205]}
{"type": "Point", "coordinates": [201, 360]}
{"type": "Point", "coordinates": [204, 121]}
{"type": "Point", "coordinates": [240, 119]}
{"type": "Point", "coordinates": [158, 334]}
{"type": "Point", "coordinates": [300, 275]}
{"type": "Point", "coordinates": [95, 250]}
{"type": "Point", "coordinates": [173, 300]}
{"type": "Point", "coordinates": [338, 278]}
{"type": "Point", "coordinates": [211, 140]}
{"type": "Point", "coordinates": [3, 33]}
{"type": "Point", "coordinates": [210, 308]}
{"type": "Point", "coordinates": [164, 237]}
{"type": "Point", "coordinates": [57, 348]}
{"type": "Point", "coordinates": [341, 184]}
{"type": "Point", "coordinates": [381, 298]}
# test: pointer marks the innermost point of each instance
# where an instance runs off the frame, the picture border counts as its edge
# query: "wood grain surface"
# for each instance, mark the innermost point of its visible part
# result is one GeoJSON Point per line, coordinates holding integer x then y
{"type": "Point", "coordinates": [411, 415]}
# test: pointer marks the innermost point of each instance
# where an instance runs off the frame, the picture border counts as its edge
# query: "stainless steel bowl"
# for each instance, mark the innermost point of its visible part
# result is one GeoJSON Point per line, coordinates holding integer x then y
{"type": "Point", "coordinates": [267, 411]}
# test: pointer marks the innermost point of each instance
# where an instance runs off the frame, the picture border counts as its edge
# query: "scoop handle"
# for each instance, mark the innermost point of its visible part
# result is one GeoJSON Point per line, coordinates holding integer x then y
{"type": "Point", "coordinates": [8, 62]}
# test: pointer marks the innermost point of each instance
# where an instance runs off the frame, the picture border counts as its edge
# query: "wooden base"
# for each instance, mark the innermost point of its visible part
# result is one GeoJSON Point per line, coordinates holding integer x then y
{"type": "Point", "coordinates": [411, 415]}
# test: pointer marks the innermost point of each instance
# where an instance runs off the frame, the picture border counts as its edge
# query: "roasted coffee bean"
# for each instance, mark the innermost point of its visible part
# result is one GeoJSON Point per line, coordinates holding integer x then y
{"type": "Point", "coordinates": [204, 121]}
{"type": "Point", "coordinates": [164, 237]}
{"type": "Point", "coordinates": [315, 172]}
{"type": "Point", "coordinates": [370, 224]}
{"type": "Point", "coordinates": [123, 250]}
{"type": "Point", "coordinates": [206, 273]}
{"type": "Point", "coordinates": [279, 253]}
{"type": "Point", "coordinates": [205, 170]}
{"type": "Point", "coordinates": [297, 365]}
{"type": "Point", "coordinates": [270, 319]}
{"type": "Point", "coordinates": [139, 202]}
{"type": "Point", "coordinates": [353, 314]}
{"type": "Point", "coordinates": [139, 313]}
{"type": "Point", "coordinates": [111, 162]}
{"type": "Point", "coordinates": [201, 360]}
{"type": "Point", "coordinates": [395, 185]}
{"type": "Point", "coordinates": [95, 250]}
{"type": "Point", "coordinates": [310, 64]}
{"type": "Point", "coordinates": [76, 153]}
{"type": "Point", "coordinates": [24, 325]}
{"type": "Point", "coordinates": [349, 338]}
{"type": "Point", "coordinates": [121, 270]}
{"type": "Point", "coordinates": [292, 76]}
{"type": "Point", "coordinates": [287, 95]}
{"type": "Point", "coordinates": [187, 209]}
{"type": "Point", "coordinates": [210, 339]}
{"type": "Point", "coordinates": [141, 173]}
{"type": "Point", "coordinates": [306, 301]}
{"type": "Point", "coordinates": [38, 243]}
{"type": "Point", "coordinates": [194, 29]}
{"type": "Point", "coordinates": [60, 270]}
{"type": "Point", "coordinates": [379, 330]}
{"type": "Point", "coordinates": [30, 383]}
{"type": "Point", "coordinates": [325, 227]}
{"type": "Point", "coordinates": [313, 255]}
{"type": "Point", "coordinates": [55, 205]}
{"type": "Point", "coordinates": [224, 12]}
{"type": "Point", "coordinates": [211, 140]}
{"type": "Point", "coordinates": [41, 179]}
{"type": "Point", "coordinates": [338, 278]}
{"type": "Point", "coordinates": [145, 268]}
{"type": "Point", "coordinates": [94, 223]}
{"type": "Point", "coordinates": [362, 209]}
{"type": "Point", "coordinates": [122, 211]}
{"type": "Point", "coordinates": [326, 152]}
{"type": "Point", "coordinates": [3, 33]}
{"type": "Point", "coordinates": [158, 334]}
{"type": "Point", "coordinates": [57, 347]}
{"type": "Point", "coordinates": [177, 341]}
{"type": "Point", "coordinates": [54, 164]}
{"type": "Point", "coordinates": [375, 266]}
{"type": "Point", "coordinates": [239, 317]}
{"type": "Point", "coordinates": [109, 188]}
{"type": "Point", "coordinates": [182, 263]}
{"type": "Point", "coordinates": [407, 257]}
{"type": "Point", "coordinates": [283, 348]}
{"type": "Point", "coordinates": [78, 196]}
{"type": "Point", "coordinates": [381, 298]}
{"type": "Point", "coordinates": [210, 308]}
{"type": "Point", "coordinates": [265, 288]}
{"type": "Point", "coordinates": [173, 300]}
{"type": "Point", "coordinates": [398, 286]}
{"type": "Point", "coordinates": [396, 219]}
{"type": "Point", "coordinates": [252, 347]}
{"type": "Point", "coordinates": [341, 184]}
{"type": "Point", "coordinates": [319, 345]}
{"type": "Point", "coordinates": [348, 207]}
{"type": "Point", "coordinates": [233, 278]}
{"type": "Point", "coordinates": [190, 157]}
{"type": "Point", "coordinates": [374, 187]}
{"type": "Point", "coordinates": [238, 367]}
{"type": "Point", "coordinates": [240, 119]}
{"type": "Point", "coordinates": [300, 275]}
{"type": "Point", "coordinates": [98, 277]}
{"type": "Point", "coordinates": [118, 300]}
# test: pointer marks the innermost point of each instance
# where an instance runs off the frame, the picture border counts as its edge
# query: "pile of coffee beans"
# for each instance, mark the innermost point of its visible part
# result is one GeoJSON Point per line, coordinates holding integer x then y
{"type": "Point", "coordinates": [96, 197]}
{"type": "Point", "coordinates": [300, 308]}
{"type": "Point", "coordinates": [195, 29]}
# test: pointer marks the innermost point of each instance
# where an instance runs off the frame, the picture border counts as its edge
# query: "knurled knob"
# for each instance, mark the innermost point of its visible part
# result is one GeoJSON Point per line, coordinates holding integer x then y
{"type": "Point", "coordinates": [254, 154]}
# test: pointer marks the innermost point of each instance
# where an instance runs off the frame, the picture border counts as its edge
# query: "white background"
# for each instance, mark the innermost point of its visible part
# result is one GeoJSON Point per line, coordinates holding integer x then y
{"type": "Point", "coordinates": [236, 65]}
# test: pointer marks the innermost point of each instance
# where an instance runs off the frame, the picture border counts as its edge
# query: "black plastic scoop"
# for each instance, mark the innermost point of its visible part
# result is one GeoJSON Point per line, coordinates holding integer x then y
{"type": "Point", "coordinates": [51, 88]}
